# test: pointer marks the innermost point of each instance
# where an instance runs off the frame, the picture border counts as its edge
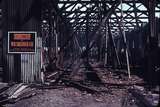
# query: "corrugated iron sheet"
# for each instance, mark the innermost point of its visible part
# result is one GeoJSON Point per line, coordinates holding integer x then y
{"type": "Point", "coordinates": [10, 61]}
{"type": "Point", "coordinates": [31, 64]}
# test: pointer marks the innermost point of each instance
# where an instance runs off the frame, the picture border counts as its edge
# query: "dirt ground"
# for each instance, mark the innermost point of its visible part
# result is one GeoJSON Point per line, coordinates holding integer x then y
{"type": "Point", "coordinates": [71, 97]}
{"type": "Point", "coordinates": [65, 96]}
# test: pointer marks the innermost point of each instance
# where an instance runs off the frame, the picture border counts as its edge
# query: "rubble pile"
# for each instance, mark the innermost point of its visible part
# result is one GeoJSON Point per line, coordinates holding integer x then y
{"type": "Point", "coordinates": [100, 87]}
{"type": "Point", "coordinates": [15, 92]}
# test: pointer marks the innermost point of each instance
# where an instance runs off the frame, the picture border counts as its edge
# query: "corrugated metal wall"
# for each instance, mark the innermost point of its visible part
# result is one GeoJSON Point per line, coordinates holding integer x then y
{"type": "Point", "coordinates": [31, 64]}
{"type": "Point", "coordinates": [9, 13]}
{"type": "Point", "coordinates": [10, 63]}
{"type": "Point", "coordinates": [20, 15]}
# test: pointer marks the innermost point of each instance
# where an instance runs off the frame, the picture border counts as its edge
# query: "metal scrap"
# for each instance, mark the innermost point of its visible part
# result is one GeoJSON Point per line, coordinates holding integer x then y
{"type": "Point", "coordinates": [12, 94]}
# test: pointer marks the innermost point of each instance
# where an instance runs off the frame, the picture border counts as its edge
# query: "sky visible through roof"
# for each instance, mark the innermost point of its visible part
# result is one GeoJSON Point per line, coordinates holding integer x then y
{"type": "Point", "coordinates": [142, 17]}
{"type": "Point", "coordinates": [125, 8]}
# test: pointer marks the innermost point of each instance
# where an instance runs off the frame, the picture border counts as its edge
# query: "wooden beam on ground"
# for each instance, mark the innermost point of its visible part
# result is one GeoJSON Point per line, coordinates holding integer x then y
{"type": "Point", "coordinates": [80, 86]}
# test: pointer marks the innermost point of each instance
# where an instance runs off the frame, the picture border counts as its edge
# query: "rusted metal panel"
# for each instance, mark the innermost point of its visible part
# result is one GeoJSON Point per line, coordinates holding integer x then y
{"type": "Point", "coordinates": [31, 64]}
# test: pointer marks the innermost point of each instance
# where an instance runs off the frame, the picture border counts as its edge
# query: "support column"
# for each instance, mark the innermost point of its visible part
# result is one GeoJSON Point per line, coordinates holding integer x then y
{"type": "Point", "coordinates": [106, 45]}
{"type": "Point", "coordinates": [87, 40]}
{"type": "Point", "coordinates": [152, 43]}
{"type": "Point", "coordinates": [116, 63]}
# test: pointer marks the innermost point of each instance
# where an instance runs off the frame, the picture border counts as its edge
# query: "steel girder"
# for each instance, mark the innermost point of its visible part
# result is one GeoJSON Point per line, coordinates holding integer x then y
{"type": "Point", "coordinates": [134, 11]}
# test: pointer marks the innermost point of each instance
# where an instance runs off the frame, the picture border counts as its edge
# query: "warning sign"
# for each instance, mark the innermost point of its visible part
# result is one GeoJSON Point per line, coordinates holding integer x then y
{"type": "Point", "coordinates": [22, 42]}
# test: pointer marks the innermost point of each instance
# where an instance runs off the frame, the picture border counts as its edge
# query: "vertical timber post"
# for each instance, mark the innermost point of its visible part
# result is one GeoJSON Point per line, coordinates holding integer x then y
{"type": "Point", "coordinates": [87, 39]}
{"type": "Point", "coordinates": [125, 41]}
{"type": "Point", "coordinates": [106, 44]}
{"type": "Point", "coordinates": [112, 42]}
{"type": "Point", "coordinates": [153, 42]}
{"type": "Point", "coordinates": [56, 35]}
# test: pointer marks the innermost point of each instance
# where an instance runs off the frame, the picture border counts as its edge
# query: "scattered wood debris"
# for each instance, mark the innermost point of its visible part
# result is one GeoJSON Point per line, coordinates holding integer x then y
{"type": "Point", "coordinates": [80, 86]}
{"type": "Point", "coordinates": [12, 94]}
{"type": "Point", "coordinates": [147, 98]}
{"type": "Point", "coordinates": [98, 81]}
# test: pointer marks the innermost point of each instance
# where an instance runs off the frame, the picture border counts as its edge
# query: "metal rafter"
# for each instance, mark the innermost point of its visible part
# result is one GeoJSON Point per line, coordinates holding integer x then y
{"type": "Point", "coordinates": [134, 8]}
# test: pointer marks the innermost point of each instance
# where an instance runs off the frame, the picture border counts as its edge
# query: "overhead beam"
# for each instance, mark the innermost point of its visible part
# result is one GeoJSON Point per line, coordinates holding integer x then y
{"type": "Point", "coordinates": [118, 11]}
{"type": "Point", "coordinates": [96, 1]}
{"type": "Point", "coordinates": [97, 30]}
